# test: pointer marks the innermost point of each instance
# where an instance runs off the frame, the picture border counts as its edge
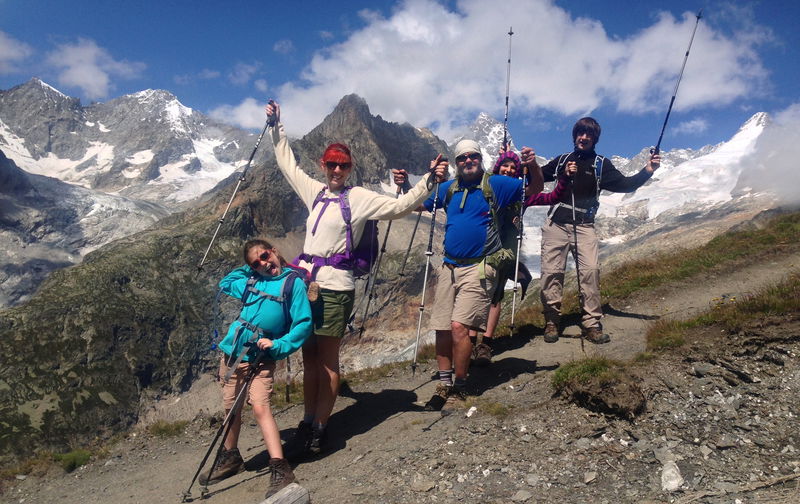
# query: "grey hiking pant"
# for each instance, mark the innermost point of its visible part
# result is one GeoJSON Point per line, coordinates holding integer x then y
{"type": "Point", "coordinates": [558, 241]}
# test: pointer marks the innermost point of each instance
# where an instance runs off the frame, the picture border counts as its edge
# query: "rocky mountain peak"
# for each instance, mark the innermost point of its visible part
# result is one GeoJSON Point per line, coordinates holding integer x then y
{"type": "Point", "coordinates": [759, 119]}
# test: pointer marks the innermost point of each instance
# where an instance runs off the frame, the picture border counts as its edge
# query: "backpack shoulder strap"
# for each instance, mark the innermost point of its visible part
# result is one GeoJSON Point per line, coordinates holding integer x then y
{"type": "Point", "coordinates": [451, 190]}
{"type": "Point", "coordinates": [598, 172]}
{"type": "Point", "coordinates": [488, 194]}
{"type": "Point", "coordinates": [562, 159]}
{"type": "Point", "coordinates": [319, 197]}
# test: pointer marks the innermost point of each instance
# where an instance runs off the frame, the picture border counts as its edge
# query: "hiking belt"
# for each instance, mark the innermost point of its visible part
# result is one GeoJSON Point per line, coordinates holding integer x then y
{"type": "Point", "coordinates": [468, 261]}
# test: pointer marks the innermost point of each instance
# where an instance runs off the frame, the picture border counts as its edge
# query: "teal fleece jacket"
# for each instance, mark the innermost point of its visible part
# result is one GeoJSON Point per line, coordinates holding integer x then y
{"type": "Point", "coordinates": [268, 314]}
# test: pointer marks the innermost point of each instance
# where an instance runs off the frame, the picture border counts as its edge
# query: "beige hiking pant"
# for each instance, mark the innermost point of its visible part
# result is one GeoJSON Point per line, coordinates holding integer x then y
{"type": "Point", "coordinates": [558, 241]}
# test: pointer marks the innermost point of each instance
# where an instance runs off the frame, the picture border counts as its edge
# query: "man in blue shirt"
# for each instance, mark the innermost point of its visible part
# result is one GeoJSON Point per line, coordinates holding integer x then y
{"type": "Point", "coordinates": [472, 247]}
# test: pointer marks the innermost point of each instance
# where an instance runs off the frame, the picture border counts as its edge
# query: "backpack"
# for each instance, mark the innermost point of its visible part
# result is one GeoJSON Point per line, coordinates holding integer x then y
{"type": "Point", "coordinates": [358, 259]}
{"type": "Point", "coordinates": [502, 232]}
{"type": "Point", "coordinates": [284, 299]}
{"type": "Point", "coordinates": [598, 174]}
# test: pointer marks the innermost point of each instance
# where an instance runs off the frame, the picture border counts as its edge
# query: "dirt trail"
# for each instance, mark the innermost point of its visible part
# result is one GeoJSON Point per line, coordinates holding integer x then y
{"type": "Point", "coordinates": [386, 445]}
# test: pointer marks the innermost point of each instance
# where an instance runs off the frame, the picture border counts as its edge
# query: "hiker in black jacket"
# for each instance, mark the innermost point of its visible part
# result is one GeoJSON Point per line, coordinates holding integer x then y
{"type": "Point", "coordinates": [560, 232]}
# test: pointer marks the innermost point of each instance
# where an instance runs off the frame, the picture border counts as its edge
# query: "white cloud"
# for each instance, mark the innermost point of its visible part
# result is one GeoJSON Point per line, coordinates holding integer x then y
{"type": "Point", "coordinates": [692, 127]}
{"type": "Point", "coordinates": [430, 65]}
{"type": "Point", "coordinates": [208, 74]}
{"type": "Point", "coordinates": [772, 164]}
{"type": "Point", "coordinates": [87, 66]}
{"type": "Point", "coordinates": [284, 46]}
{"type": "Point", "coordinates": [12, 52]}
{"type": "Point", "coordinates": [325, 35]}
{"type": "Point", "coordinates": [243, 72]}
{"type": "Point", "coordinates": [261, 85]}
{"type": "Point", "coordinates": [248, 114]}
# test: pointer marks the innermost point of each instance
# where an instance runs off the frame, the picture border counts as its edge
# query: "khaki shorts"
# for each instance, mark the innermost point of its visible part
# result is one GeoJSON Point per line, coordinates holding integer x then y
{"type": "Point", "coordinates": [260, 388]}
{"type": "Point", "coordinates": [462, 296]}
{"type": "Point", "coordinates": [331, 312]}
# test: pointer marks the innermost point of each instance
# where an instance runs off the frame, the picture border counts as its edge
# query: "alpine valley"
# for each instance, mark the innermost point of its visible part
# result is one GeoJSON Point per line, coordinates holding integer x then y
{"type": "Point", "coordinates": [108, 208]}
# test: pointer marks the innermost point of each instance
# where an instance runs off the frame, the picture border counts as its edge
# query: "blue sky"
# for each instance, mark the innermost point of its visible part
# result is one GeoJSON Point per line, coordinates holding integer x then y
{"type": "Point", "coordinates": [434, 64]}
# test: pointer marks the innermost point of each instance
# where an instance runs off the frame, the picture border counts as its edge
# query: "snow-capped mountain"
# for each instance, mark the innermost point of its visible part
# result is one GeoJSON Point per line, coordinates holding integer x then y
{"type": "Point", "coordinates": [488, 132]}
{"type": "Point", "coordinates": [46, 224]}
{"type": "Point", "coordinates": [689, 181]}
{"type": "Point", "coordinates": [145, 145]}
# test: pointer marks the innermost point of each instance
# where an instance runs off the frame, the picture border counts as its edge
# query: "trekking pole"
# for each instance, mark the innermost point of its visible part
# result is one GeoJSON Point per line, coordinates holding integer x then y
{"type": "Point", "coordinates": [657, 148]}
{"type": "Point", "coordinates": [288, 377]}
{"type": "Point", "coordinates": [374, 274]}
{"type": "Point", "coordinates": [428, 254]}
{"type": "Point", "coordinates": [226, 426]}
{"type": "Point", "coordinates": [519, 247]}
{"type": "Point", "coordinates": [270, 122]}
{"type": "Point", "coordinates": [575, 251]}
{"type": "Point", "coordinates": [410, 242]}
{"type": "Point", "coordinates": [508, 87]}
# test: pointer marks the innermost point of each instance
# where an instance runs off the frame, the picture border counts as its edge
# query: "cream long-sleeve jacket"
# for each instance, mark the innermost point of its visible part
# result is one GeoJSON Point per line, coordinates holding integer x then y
{"type": "Point", "coordinates": [331, 234]}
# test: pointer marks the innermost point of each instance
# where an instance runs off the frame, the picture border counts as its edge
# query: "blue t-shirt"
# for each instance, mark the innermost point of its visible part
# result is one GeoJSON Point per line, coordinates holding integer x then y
{"type": "Point", "coordinates": [466, 229]}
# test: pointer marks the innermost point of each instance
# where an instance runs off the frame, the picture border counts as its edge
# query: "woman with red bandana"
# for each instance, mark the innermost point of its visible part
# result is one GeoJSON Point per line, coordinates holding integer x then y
{"type": "Point", "coordinates": [325, 253]}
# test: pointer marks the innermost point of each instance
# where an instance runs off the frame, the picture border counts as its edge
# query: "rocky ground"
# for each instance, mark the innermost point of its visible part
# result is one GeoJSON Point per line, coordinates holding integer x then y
{"type": "Point", "coordinates": [720, 426]}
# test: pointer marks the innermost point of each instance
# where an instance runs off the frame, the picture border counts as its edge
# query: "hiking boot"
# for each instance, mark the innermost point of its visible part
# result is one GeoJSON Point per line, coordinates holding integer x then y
{"type": "Point", "coordinates": [595, 335]}
{"type": "Point", "coordinates": [280, 477]}
{"type": "Point", "coordinates": [297, 448]}
{"type": "Point", "coordinates": [318, 441]}
{"type": "Point", "coordinates": [437, 400]}
{"type": "Point", "coordinates": [456, 400]}
{"type": "Point", "coordinates": [228, 464]}
{"type": "Point", "coordinates": [550, 332]}
{"type": "Point", "coordinates": [482, 355]}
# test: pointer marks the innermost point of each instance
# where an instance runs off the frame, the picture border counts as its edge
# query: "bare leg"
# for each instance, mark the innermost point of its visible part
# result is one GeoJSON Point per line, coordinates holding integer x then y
{"type": "Point", "coordinates": [327, 376]}
{"type": "Point", "coordinates": [462, 349]}
{"type": "Point", "coordinates": [444, 350]}
{"type": "Point", "coordinates": [232, 439]}
{"type": "Point", "coordinates": [269, 430]}
{"type": "Point", "coordinates": [494, 318]}
{"type": "Point", "coordinates": [310, 377]}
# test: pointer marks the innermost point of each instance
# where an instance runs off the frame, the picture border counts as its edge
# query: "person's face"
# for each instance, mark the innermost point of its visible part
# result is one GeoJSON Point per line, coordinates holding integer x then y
{"type": "Point", "coordinates": [469, 166]}
{"type": "Point", "coordinates": [508, 168]}
{"type": "Point", "coordinates": [336, 174]}
{"type": "Point", "coordinates": [584, 141]}
{"type": "Point", "coordinates": [264, 261]}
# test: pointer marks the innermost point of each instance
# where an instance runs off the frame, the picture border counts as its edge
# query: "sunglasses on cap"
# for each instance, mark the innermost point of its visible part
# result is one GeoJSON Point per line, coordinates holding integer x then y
{"type": "Point", "coordinates": [264, 257]}
{"type": "Point", "coordinates": [474, 156]}
{"type": "Point", "coordinates": [331, 165]}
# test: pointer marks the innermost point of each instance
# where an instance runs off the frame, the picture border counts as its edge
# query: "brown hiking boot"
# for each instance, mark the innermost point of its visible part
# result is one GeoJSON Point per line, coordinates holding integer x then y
{"type": "Point", "coordinates": [228, 464]}
{"type": "Point", "coordinates": [318, 441]}
{"type": "Point", "coordinates": [437, 400]}
{"type": "Point", "coordinates": [280, 477]}
{"type": "Point", "coordinates": [456, 400]}
{"type": "Point", "coordinates": [297, 448]}
{"type": "Point", "coordinates": [550, 332]}
{"type": "Point", "coordinates": [595, 335]}
{"type": "Point", "coordinates": [482, 355]}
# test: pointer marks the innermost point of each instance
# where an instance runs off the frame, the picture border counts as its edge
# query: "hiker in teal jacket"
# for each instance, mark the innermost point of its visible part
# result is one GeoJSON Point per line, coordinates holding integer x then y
{"type": "Point", "coordinates": [267, 314]}
{"type": "Point", "coordinates": [275, 319]}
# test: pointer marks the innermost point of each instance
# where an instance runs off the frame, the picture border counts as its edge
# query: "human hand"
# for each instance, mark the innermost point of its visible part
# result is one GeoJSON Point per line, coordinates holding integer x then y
{"type": "Point", "coordinates": [527, 156]}
{"type": "Point", "coordinates": [654, 163]}
{"type": "Point", "coordinates": [264, 343]}
{"type": "Point", "coordinates": [439, 168]}
{"type": "Point", "coordinates": [273, 111]}
{"type": "Point", "coordinates": [571, 168]}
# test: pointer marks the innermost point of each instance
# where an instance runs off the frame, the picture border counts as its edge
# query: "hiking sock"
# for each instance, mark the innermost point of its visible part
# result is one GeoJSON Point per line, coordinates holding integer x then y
{"type": "Point", "coordinates": [491, 343]}
{"type": "Point", "coordinates": [319, 428]}
{"type": "Point", "coordinates": [473, 340]}
{"type": "Point", "coordinates": [460, 383]}
{"type": "Point", "coordinates": [446, 376]}
{"type": "Point", "coordinates": [308, 419]}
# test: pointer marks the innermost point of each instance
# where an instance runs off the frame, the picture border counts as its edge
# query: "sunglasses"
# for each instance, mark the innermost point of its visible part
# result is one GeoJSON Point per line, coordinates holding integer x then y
{"type": "Point", "coordinates": [474, 156]}
{"type": "Point", "coordinates": [264, 257]}
{"type": "Point", "coordinates": [331, 165]}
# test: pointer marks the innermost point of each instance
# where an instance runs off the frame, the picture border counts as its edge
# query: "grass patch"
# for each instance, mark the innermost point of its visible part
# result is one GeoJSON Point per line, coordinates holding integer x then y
{"type": "Point", "coordinates": [781, 234]}
{"type": "Point", "coordinates": [72, 460]}
{"type": "Point", "coordinates": [732, 316]}
{"type": "Point", "coordinates": [164, 429]}
{"type": "Point", "coordinates": [495, 409]}
{"type": "Point", "coordinates": [581, 371]}
{"type": "Point", "coordinates": [37, 465]}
